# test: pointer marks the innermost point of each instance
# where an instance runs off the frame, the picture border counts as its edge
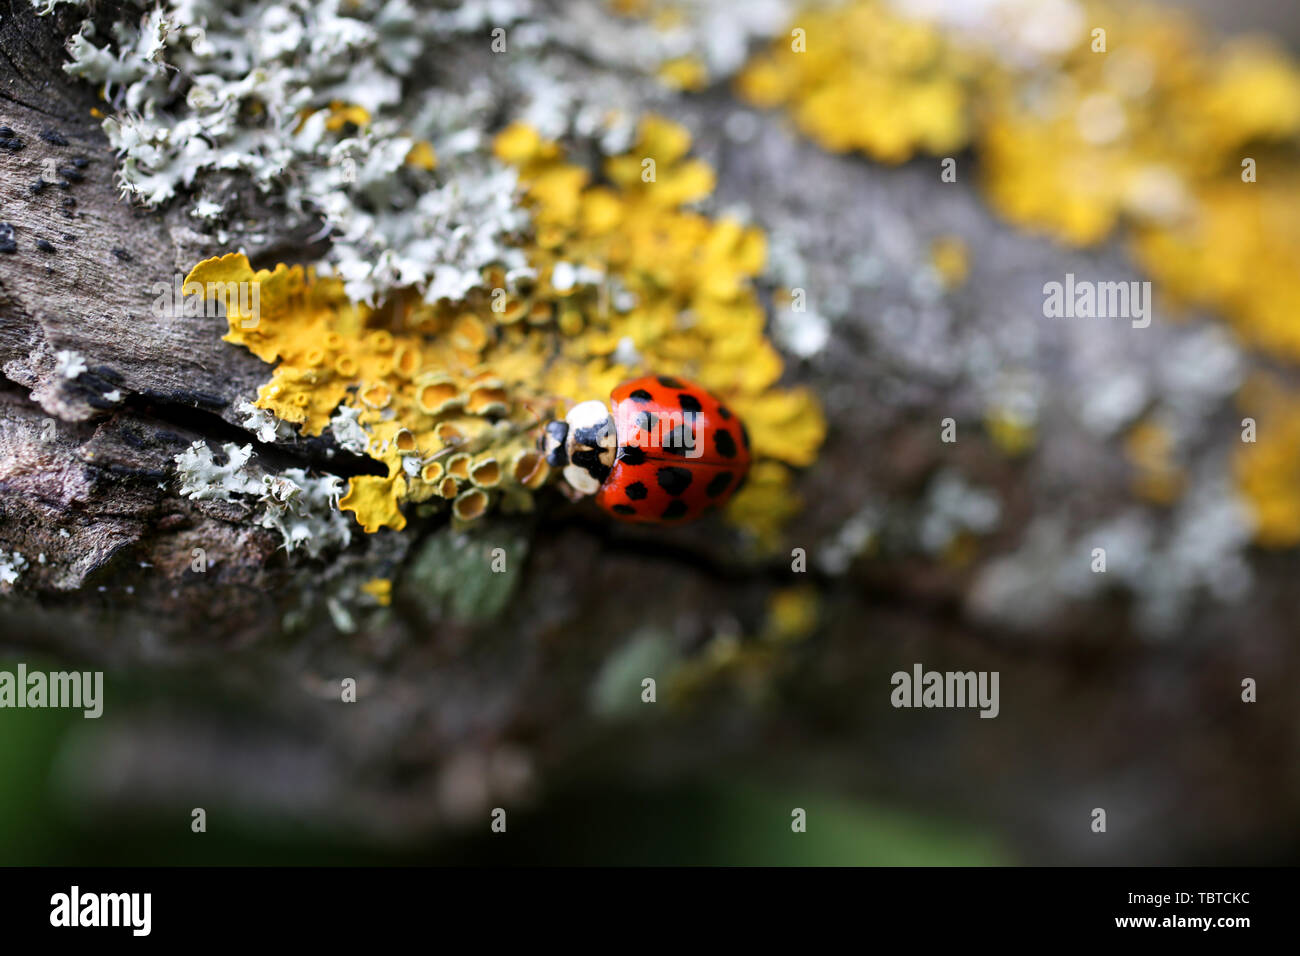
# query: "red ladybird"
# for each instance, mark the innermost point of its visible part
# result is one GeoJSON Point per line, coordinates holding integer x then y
{"type": "Point", "coordinates": [669, 451]}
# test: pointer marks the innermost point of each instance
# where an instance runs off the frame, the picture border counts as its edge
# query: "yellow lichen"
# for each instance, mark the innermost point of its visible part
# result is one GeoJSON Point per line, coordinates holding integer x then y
{"type": "Point", "coordinates": [684, 73]}
{"type": "Point", "coordinates": [422, 156]}
{"type": "Point", "coordinates": [486, 472]}
{"type": "Point", "coordinates": [1010, 431]}
{"type": "Point", "coordinates": [1162, 131]}
{"type": "Point", "coordinates": [342, 114]}
{"type": "Point", "coordinates": [1185, 142]}
{"type": "Point", "coordinates": [866, 79]}
{"type": "Point", "coordinates": [791, 614]}
{"type": "Point", "coordinates": [1158, 477]}
{"type": "Point", "coordinates": [375, 500]}
{"type": "Point", "coordinates": [766, 502]}
{"type": "Point", "coordinates": [470, 505]}
{"type": "Point", "coordinates": [950, 257]}
{"type": "Point", "coordinates": [453, 388]}
{"type": "Point", "coordinates": [381, 589]}
{"type": "Point", "coordinates": [1267, 468]}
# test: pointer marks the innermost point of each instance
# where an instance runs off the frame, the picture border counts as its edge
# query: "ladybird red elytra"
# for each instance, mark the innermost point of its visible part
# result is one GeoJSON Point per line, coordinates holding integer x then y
{"type": "Point", "coordinates": [667, 450]}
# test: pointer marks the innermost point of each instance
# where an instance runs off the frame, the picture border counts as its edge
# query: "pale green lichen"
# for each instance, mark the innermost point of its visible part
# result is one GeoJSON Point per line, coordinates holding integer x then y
{"type": "Point", "coordinates": [619, 688]}
{"type": "Point", "coordinates": [466, 577]}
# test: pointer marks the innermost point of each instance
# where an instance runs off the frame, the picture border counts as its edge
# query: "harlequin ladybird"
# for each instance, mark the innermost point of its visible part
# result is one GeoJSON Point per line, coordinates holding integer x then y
{"type": "Point", "coordinates": [667, 451]}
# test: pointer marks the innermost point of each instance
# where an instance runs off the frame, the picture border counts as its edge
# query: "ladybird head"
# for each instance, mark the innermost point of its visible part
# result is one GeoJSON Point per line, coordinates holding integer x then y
{"type": "Point", "coordinates": [553, 442]}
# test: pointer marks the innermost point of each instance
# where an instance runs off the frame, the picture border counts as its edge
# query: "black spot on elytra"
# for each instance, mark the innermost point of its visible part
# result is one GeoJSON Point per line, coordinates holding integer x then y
{"type": "Point", "coordinates": [636, 491]}
{"type": "Point", "coordinates": [669, 382]}
{"type": "Point", "coordinates": [725, 444]}
{"type": "Point", "coordinates": [744, 435]}
{"type": "Point", "coordinates": [631, 455]}
{"type": "Point", "coordinates": [624, 510]}
{"type": "Point", "coordinates": [678, 441]}
{"type": "Point", "coordinates": [718, 484]}
{"type": "Point", "coordinates": [675, 509]}
{"type": "Point", "coordinates": [53, 136]}
{"type": "Point", "coordinates": [689, 403]}
{"type": "Point", "coordinates": [44, 245]}
{"type": "Point", "coordinates": [673, 480]}
{"type": "Point", "coordinates": [640, 395]}
{"type": "Point", "coordinates": [646, 421]}
{"type": "Point", "coordinates": [7, 243]}
{"type": "Point", "coordinates": [725, 412]}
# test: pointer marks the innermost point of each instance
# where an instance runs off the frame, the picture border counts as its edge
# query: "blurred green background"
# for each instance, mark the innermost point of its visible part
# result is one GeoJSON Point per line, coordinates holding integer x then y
{"type": "Point", "coordinates": [705, 821]}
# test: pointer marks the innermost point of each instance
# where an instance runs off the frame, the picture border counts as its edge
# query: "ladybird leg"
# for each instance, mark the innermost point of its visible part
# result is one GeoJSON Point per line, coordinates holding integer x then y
{"type": "Point", "coordinates": [570, 492]}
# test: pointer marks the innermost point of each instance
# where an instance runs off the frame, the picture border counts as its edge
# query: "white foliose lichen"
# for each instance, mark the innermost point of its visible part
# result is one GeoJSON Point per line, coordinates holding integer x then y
{"type": "Point", "coordinates": [45, 7]}
{"type": "Point", "coordinates": [952, 508]}
{"type": "Point", "coordinates": [69, 364]}
{"type": "Point", "coordinates": [1164, 566]}
{"type": "Point", "coordinates": [304, 510]}
{"type": "Point", "coordinates": [440, 245]}
{"type": "Point", "coordinates": [320, 104]}
{"type": "Point", "coordinates": [853, 538]}
{"type": "Point", "coordinates": [798, 327]}
{"type": "Point", "coordinates": [301, 508]}
{"type": "Point", "coordinates": [717, 33]}
{"type": "Point", "coordinates": [348, 431]}
{"type": "Point", "coordinates": [204, 479]}
{"type": "Point", "coordinates": [307, 100]}
{"type": "Point", "coordinates": [1025, 33]}
{"type": "Point", "coordinates": [263, 424]}
{"type": "Point", "coordinates": [12, 565]}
